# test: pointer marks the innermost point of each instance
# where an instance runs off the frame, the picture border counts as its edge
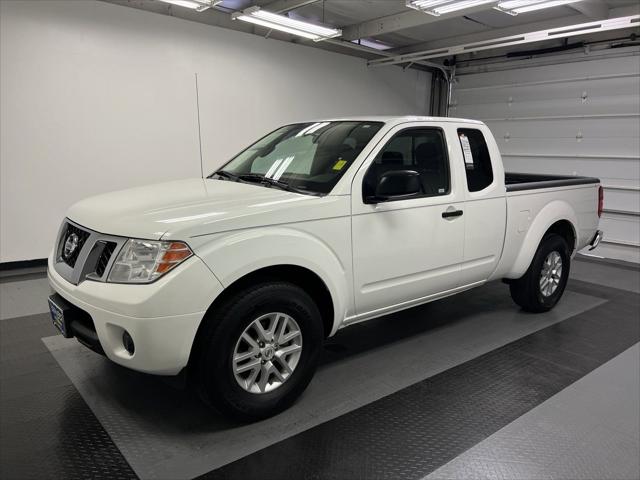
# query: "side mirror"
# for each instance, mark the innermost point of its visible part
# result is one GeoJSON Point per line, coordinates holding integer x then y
{"type": "Point", "coordinates": [396, 185]}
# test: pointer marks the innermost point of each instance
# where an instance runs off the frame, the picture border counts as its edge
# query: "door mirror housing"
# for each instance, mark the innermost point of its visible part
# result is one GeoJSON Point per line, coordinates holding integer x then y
{"type": "Point", "coordinates": [396, 185]}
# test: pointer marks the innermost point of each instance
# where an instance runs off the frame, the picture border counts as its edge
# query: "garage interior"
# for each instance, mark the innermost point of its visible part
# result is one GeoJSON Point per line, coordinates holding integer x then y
{"type": "Point", "coordinates": [98, 96]}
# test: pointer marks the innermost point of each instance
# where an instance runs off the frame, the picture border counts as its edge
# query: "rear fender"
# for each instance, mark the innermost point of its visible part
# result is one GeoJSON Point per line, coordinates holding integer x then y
{"type": "Point", "coordinates": [550, 214]}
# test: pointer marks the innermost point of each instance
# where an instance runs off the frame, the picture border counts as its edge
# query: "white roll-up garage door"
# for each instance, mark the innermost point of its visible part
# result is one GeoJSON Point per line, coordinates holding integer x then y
{"type": "Point", "coordinates": [576, 117]}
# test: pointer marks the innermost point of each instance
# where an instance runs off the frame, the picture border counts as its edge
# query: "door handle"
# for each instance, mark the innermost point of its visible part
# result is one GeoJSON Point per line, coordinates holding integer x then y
{"type": "Point", "coordinates": [452, 213]}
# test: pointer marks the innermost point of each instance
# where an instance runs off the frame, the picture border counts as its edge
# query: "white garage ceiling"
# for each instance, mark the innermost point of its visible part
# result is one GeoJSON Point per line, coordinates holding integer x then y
{"type": "Point", "coordinates": [392, 26]}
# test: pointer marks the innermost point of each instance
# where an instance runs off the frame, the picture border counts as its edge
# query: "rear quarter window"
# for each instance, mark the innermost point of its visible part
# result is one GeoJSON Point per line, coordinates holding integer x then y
{"type": "Point", "coordinates": [477, 161]}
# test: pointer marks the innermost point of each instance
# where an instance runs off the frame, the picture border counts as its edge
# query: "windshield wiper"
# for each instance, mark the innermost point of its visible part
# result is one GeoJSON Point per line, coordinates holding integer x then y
{"type": "Point", "coordinates": [251, 177]}
{"type": "Point", "coordinates": [272, 182]}
{"type": "Point", "coordinates": [261, 179]}
{"type": "Point", "coordinates": [281, 185]}
{"type": "Point", "coordinates": [225, 174]}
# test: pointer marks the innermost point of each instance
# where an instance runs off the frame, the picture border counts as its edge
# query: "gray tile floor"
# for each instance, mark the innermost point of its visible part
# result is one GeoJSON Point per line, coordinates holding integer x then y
{"type": "Point", "coordinates": [621, 276]}
{"type": "Point", "coordinates": [134, 409]}
{"type": "Point", "coordinates": [590, 430]}
{"type": "Point", "coordinates": [22, 297]}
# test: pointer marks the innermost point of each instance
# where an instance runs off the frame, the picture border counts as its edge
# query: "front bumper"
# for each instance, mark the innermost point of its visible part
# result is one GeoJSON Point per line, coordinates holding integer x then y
{"type": "Point", "coordinates": [162, 317]}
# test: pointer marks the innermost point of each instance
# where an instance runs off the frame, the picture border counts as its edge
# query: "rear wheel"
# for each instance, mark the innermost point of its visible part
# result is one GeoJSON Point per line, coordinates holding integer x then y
{"type": "Point", "coordinates": [259, 351]}
{"type": "Point", "coordinates": [541, 287]}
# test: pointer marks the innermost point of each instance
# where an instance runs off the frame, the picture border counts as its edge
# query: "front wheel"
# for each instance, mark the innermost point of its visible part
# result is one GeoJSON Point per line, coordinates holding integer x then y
{"type": "Point", "coordinates": [259, 351]}
{"type": "Point", "coordinates": [541, 287]}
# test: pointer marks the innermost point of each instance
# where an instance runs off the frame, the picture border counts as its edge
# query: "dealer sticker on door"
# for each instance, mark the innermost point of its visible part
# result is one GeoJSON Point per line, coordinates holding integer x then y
{"type": "Point", "coordinates": [466, 150]}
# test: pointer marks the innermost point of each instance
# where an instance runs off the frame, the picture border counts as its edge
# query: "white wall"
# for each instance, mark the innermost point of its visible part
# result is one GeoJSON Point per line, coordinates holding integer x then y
{"type": "Point", "coordinates": [578, 117]}
{"type": "Point", "coordinates": [97, 97]}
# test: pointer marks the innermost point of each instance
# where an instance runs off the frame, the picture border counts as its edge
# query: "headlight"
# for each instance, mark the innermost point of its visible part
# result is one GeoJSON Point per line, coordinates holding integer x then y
{"type": "Point", "coordinates": [143, 261]}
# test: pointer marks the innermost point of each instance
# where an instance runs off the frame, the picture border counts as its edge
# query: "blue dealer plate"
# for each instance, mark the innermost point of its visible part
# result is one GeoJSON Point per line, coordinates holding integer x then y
{"type": "Point", "coordinates": [57, 317]}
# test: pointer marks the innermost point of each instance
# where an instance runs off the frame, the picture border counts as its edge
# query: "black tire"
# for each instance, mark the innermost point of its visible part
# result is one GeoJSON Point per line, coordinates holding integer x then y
{"type": "Point", "coordinates": [215, 379]}
{"type": "Point", "coordinates": [526, 291]}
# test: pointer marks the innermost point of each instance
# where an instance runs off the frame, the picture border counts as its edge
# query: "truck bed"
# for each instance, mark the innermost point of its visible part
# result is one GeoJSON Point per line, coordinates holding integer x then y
{"type": "Point", "coordinates": [515, 182]}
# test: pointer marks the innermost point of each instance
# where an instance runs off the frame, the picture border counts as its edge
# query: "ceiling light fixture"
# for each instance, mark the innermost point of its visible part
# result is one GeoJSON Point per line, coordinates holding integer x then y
{"type": "Point", "coordinates": [197, 5]}
{"type": "Point", "coordinates": [610, 24]}
{"type": "Point", "coordinates": [286, 24]}
{"type": "Point", "coordinates": [514, 7]}
{"type": "Point", "coordinates": [371, 43]}
{"type": "Point", "coordinates": [438, 7]}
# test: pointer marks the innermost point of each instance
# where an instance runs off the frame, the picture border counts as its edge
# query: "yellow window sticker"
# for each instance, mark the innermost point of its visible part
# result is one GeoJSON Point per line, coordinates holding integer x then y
{"type": "Point", "coordinates": [339, 165]}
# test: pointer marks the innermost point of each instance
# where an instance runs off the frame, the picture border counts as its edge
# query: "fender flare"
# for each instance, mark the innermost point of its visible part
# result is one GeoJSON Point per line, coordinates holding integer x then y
{"type": "Point", "coordinates": [553, 212]}
{"type": "Point", "coordinates": [241, 253]}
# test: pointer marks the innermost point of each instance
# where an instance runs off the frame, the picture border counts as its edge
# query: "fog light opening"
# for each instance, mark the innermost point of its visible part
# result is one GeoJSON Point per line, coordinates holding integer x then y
{"type": "Point", "coordinates": [127, 341]}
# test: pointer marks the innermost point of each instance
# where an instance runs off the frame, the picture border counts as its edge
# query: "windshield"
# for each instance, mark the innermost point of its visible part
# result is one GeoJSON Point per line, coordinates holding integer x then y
{"type": "Point", "coordinates": [304, 157]}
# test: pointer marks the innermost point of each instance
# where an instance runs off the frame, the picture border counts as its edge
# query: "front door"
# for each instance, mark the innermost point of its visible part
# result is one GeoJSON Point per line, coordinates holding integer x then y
{"type": "Point", "coordinates": [407, 249]}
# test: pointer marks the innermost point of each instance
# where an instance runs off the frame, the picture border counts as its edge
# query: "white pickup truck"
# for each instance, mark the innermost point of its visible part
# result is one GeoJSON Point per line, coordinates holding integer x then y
{"type": "Point", "coordinates": [236, 279]}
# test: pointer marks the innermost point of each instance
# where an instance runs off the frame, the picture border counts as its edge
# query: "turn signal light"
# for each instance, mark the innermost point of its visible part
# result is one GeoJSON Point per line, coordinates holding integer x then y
{"type": "Point", "coordinates": [176, 253]}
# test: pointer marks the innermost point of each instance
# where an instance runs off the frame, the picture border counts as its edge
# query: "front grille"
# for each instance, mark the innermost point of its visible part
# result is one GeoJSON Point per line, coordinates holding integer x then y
{"type": "Point", "coordinates": [71, 258]}
{"type": "Point", "coordinates": [91, 257]}
{"type": "Point", "coordinates": [105, 256]}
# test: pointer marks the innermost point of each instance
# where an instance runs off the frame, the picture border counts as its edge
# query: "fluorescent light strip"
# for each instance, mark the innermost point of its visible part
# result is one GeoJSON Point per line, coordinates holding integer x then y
{"type": "Point", "coordinates": [286, 24]}
{"type": "Point", "coordinates": [631, 21]}
{"type": "Point", "coordinates": [198, 5]}
{"type": "Point", "coordinates": [438, 7]}
{"type": "Point", "coordinates": [371, 43]}
{"type": "Point", "coordinates": [541, 6]}
{"type": "Point", "coordinates": [514, 7]}
{"type": "Point", "coordinates": [511, 4]}
{"type": "Point", "coordinates": [264, 23]}
{"type": "Point", "coordinates": [297, 24]}
{"type": "Point", "coordinates": [425, 4]}
{"type": "Point", "coordinates": [452, 7]}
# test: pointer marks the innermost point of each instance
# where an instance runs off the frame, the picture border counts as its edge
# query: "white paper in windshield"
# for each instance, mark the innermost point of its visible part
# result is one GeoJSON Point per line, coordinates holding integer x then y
{"type": "Point", "coordinates": [466, 150]}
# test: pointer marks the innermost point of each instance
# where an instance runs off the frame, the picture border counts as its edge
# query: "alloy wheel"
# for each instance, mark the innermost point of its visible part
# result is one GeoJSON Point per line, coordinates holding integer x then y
{"type": "Point", "coordinates": [267, 352]}
{"type": "Point", "coordinates": [551, 274]}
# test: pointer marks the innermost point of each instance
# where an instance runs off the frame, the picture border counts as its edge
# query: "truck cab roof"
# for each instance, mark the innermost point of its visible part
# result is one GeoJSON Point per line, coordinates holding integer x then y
{"type": "Point", "coordinates": [398, 119]}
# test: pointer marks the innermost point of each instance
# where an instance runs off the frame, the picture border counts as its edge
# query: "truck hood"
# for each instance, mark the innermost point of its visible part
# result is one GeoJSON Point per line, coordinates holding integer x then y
{"type": "Point", "coordinates": [193, 207]}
